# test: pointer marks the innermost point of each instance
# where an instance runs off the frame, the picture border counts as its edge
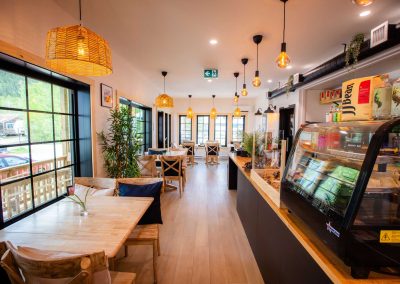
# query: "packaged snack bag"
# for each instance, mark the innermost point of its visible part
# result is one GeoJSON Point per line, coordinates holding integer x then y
{"type": "Point", "coordinates": [357, 98]}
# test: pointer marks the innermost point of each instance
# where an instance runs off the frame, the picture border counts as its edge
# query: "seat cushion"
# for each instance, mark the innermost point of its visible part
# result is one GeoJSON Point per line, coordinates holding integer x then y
{"type": "Point", "coordinates": [153, 213]}
{"type": "Point", "coordinates": [156, 152]}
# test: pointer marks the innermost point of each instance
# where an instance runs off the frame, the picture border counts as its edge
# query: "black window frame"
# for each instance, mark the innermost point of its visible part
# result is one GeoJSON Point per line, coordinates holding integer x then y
{"type": "Point", "coordinates": [244, 127]}
{"type": "Point", "coordinates": [148, 120]}
{"type": "Point", "coordinates": [80, 123]}
{"type": "Point", "coordinates": [226, 129]}
{"type": "Point", "coordinates": [197, 128]}
{"type": "Point", "coordinates": [180, 128]}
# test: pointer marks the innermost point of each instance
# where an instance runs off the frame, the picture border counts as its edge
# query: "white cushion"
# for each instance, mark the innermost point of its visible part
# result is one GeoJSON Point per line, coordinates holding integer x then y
{"type": "Point", "coordinates": [80, 191]}
{"type": "Point", "coordinates": [103, 192]}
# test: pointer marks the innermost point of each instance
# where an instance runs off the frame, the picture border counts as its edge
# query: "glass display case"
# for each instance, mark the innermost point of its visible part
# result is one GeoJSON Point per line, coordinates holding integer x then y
{"type": "Point", "coordinates": [342, 180]}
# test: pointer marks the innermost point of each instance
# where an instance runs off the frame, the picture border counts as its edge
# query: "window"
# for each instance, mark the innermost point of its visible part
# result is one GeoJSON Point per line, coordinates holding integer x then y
{"type": "Point", "coordinates": [238, 128]}
{"type": "Point", "coordinates": [203, 128]}
{"type": "Point", "coordinates": [141, 123]}
{"type": "Point", "coordinates": [185, 128]}
{"type": "Point", "coordinates": [220, 129]}
{"type": "Point", "coordinates": [38, 142]}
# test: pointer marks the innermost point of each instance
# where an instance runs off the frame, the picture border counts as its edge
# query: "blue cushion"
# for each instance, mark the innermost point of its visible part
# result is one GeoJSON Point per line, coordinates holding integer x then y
{"type": "Point", "coordinates": [157, 152]}
{"type": "Point", "coordinates": [153, 213]}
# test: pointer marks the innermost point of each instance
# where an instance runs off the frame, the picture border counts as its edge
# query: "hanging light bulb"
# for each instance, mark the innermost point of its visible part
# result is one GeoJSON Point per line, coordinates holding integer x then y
{"type": "Point", "coordinates": [362, 3]}
{"type": "Point", "coordinates": [237, 112]}
{"type": "Point", "coordinates": [257, 81]}
{"type": "Point", "coordinates": [236, 96]}
{"type": "Point", "coordinates": [163, 100]}
{"type": "Point", "coordinates": [213, 112]}
{"type": "Point", "coordinates": [189, 112]}
{"type": "Point", "coordinates": [244, 89]}
{"type": "Point", "coordinates": [283, 59]}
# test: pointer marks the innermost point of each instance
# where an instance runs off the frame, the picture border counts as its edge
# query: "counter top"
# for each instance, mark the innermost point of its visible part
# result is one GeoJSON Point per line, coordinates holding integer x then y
{"type": "Point", "coordinates": [331, 264]}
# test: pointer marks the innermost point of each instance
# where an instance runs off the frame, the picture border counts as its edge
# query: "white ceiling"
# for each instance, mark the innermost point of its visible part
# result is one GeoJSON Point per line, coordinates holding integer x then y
{"type": "Point", "coordinates": [173, 35]}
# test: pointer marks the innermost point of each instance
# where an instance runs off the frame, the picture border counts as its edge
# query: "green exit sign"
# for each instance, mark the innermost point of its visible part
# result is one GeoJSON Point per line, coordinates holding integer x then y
{"type": "Point", "coordinates": [210, 73]}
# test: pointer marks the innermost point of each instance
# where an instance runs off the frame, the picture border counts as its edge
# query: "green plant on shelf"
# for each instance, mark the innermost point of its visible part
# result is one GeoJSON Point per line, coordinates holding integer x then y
{"type": "Point", "coordinates": [353, 49]}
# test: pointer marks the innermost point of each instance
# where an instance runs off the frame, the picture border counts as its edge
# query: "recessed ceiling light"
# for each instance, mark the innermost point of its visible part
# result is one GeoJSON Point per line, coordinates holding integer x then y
{"type": "Point", "coordinates": [289, 67]}
{"type": "Point", "coordinates": [209, 80]}
{"type": "Point", "coordinates": [213, 41]}
{"type": "Point", "coordinates": [269, 81]}
{"type": "Point", "coordinates": [365, 13]}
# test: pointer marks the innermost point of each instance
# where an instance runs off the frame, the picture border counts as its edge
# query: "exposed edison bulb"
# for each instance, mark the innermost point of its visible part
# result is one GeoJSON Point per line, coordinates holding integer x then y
{"type": "Point", "coordinates": [363, 2]}
{"type": "Point", "coordinates": [283, 60]}
{"type": "Point", "coordinates": [236, 112]}
{"type": "Point", "coordinates": [189, 113]}
{"type": "Point", "coordinates": [244, 91]}
{"type": "Point", "coordinates": [213, 113]}
{"type": "Point", "coordinates": [236, 99]}
{"type": "Point", "coordinates": [257, 81]}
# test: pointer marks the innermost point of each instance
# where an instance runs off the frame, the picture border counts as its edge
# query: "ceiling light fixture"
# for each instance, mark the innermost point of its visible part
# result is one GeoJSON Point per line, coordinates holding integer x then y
{"type": "Point", "coordinates": [363, 3]}
{"type": "Point", "coordinates": [283, 58]}
{"type": "Point", "coordinates": [209, 80]}
{"type": "Point", "coordinates": [213, 41]}
{"type": "Point", "coordinates": [365, 13]}
{"type": "Point", "coordinates": [213, 112]}
{"type": "Point", "coordinates": [258, 112]}
{"type": "Point", "coordinates": [257, 81]}
{"type": "Point", "coordinates": [163, 100]}
{"type": "Point", "coordinates": [289, 67]}
{"type": "Point", "coordinates": [244, 90]}
{"type": "Point", "coordinates": [78, 50]}
{"type": "Point", "coordinates": [189, 112]}
{"type": "Point", "coordinates": [236, 98]}
{"type": "Point", "coordinates": [269, 81]}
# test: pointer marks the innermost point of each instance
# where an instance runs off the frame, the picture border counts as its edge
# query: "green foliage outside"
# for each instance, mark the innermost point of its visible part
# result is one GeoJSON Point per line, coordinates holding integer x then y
{"type": "Point", "coordinates": [13, 95]}
{"type": "Point", "coordinates": [120, 145]}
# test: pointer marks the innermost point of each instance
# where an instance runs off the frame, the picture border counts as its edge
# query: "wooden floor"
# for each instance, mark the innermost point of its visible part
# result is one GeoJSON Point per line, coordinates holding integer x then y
{"type": "Point", "coordinates": [202, 239]}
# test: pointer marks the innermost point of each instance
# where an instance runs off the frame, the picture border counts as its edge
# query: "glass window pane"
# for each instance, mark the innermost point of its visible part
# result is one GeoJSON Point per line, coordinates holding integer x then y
{"type": "Point", "coordinates": [13, 127]}
{"type": "Point", "coordinates": [62, 99]}
{"type": "Point", "coordinates": [64, 155]}
{"type": "Point", "coordinates": [62, 127]}
{"type": "Point", "coordinates": [44, 188]}
{"type": "Point", "coordinates": [42, 157]}
{"type": "Point", "coordinates": [64, 179]}
{"type": "Point", "coordinates": [39, 94]}
{"type": "Point", "coordinates": [41, 127]}
{"type": "Point", "coordinates": [12, 90]}
{"type": "Point", "coordinates": [16, 198]}
{"type": "Point", "coordinates": [14, 163]}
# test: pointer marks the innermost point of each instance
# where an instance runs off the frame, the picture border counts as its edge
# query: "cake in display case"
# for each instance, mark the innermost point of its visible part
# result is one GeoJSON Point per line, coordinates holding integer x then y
{"type": "Point", "coordinates": [342, 180]}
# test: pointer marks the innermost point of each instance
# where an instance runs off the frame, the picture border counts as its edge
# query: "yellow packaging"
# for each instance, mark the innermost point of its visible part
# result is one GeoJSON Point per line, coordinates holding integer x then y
{"type": "Point", "coordinates": [357, 97]}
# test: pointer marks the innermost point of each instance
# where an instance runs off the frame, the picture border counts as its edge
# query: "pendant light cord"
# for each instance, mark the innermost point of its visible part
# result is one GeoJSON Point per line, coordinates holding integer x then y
{"type": "Point", "coordinates": [244, 73]}
{"type": "Point", "coordinates": [80, 12]}
{"type": "Point", "coordinates": [284, 20]}
{"type": "Point", "coordinates": [257, 56]}
{"type": "Point", "coordinates": [164, 84]}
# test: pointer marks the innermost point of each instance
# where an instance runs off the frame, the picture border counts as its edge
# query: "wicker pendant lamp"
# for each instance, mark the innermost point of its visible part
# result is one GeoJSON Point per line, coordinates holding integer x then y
{"type": "Point", "coordinates": [213, 112]}
{"type": "Point", "coordinates": [189, 112]}
{"type": "Point", "coordinates": [163, 100]}
{"type": "Point", "coordinates": [78, 50]}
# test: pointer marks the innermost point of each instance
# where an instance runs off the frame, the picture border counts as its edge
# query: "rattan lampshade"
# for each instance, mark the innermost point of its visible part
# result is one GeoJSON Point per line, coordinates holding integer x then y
{"type": "Point", "coordinates": [163, 101]}
{"type": "Point", "coordinates": [78, 50]}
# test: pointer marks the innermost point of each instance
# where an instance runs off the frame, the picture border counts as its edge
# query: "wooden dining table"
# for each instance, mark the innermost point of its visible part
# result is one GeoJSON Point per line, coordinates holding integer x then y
{"type": "Point", "coordinates": [60, 226]}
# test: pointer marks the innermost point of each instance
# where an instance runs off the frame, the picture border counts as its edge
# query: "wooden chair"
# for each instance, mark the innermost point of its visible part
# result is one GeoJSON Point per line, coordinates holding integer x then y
{"type": "Point", "coordinates": [212, 153]}
{"type": "Point", "coordinates": [172, 170]}
{"type": "Point", "coordinates": [147, 166]}
{"type": "Point", "coordinates": [79, 269]}
{"type": "Point", "coordinates": [190, 152]}
{"type": "Point", "coordinates": [144, 234]}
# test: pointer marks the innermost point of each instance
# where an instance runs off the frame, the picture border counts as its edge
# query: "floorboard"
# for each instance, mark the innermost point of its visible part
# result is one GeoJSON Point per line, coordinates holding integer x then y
{"type": "Point", "coordinates": [202, 239]}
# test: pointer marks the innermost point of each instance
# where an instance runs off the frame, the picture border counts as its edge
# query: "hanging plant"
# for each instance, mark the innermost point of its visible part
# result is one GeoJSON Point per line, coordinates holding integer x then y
{"type": "Point", "coordinates": [289, 84]}
{"type": "Point", "coordinates": [353, 49]}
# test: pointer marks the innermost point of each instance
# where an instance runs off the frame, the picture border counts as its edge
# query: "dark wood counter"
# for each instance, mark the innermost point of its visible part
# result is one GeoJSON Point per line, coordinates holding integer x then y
{"type": "Point", "coordinates": [285, 249]}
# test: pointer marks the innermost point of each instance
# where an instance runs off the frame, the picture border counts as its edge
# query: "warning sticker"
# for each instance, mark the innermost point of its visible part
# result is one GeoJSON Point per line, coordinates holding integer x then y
{"type": "Point", "coordinates": [390, 236]}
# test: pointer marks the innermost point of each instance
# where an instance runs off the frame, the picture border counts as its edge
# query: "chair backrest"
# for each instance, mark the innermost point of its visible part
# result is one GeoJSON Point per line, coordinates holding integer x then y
{"type": "Point", "coordinates": [147, 166]}
{"type": "Point", "coordinates": [171, 166]}
{"type": "Point", "coordinates": [190, 147]}
{"type": "Point", "coordinates": [212, 149]}
{"type": "Point", "coordinates": [38, 266]}
{"type": "Point", "coordinates": [157, 151]}
{"type": "Point", "coordinates": [96, 182]}
{"type": "Point", "coordinates": [8, 264]}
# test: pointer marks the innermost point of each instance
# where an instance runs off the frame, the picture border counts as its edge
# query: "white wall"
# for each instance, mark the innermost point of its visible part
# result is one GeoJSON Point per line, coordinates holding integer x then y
{"type": "Point", "coordinates": [24, 24]}
{"type": "Point", "coordinates": [224, 106]}
{"type": "Point", "coordinates": [314, 110]}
